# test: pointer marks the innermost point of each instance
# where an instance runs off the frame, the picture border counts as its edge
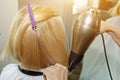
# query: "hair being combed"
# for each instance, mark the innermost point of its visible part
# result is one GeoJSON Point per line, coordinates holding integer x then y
{"type": "Point", "coordinates": [34, 49]}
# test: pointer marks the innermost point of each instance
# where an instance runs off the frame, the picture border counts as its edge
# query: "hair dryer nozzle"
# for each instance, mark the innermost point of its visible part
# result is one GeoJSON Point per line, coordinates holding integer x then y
{"type": "Point", "coordinates": [73, 60]}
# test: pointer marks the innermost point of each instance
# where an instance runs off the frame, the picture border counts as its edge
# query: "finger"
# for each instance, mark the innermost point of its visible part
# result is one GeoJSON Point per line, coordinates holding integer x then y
{"type": "Point", "coordinates": [60, 66]}
{"type": "Point", "coordinates": [66, 74]}
{"type": "Point", "coordinates": [47, 72]}
{"type": "Point", "coordinates": [49, 69]}
{"type": "Point", "coordinates": [44, 76]}
{"type": "Point", "coordinates": [63, 71]}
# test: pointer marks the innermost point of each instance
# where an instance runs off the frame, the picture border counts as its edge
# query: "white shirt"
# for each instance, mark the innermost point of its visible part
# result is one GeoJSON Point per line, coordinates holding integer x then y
{"type": "Point", "coordinates": [94, 63]}
{"type": "Point", "coordinates": [11, 72]}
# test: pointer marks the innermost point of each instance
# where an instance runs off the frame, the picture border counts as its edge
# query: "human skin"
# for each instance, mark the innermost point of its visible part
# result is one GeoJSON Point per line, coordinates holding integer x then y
{"type": "Point", "coordinates": [111, 30]}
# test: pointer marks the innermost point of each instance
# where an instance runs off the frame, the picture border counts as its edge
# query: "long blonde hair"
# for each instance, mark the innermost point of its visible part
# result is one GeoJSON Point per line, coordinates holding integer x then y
{"type": "Point", "coordinates": [115, 11]}
{"type": "Point", "coordinates": [34, 49]}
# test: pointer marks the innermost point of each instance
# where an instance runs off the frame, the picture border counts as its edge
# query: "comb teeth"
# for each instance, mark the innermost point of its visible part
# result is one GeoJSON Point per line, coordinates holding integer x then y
{"type": "Point", "coordinates": [31, 17]}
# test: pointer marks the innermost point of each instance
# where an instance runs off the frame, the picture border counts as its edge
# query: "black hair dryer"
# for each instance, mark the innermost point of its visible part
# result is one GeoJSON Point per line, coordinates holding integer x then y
{"type": "Point", "coordinates": [85, 30]}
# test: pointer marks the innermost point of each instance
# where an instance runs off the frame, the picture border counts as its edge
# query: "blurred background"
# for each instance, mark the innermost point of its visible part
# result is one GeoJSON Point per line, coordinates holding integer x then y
{"type": "Point", "coordinates": [68, 10]}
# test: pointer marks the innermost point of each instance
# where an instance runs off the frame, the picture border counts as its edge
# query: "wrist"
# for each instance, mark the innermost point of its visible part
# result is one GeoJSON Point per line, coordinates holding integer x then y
{"type": "Point", "coordinates": [110, 28]}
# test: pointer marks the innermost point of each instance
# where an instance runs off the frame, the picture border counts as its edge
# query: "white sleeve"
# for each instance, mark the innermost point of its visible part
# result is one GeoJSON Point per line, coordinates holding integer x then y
{"type": "Point", "coordinates": [7, 71]}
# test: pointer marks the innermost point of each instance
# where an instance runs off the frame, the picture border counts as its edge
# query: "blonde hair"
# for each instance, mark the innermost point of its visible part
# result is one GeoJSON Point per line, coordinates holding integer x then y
{"type": "Point", "coordinates": [34, 49]}
{"type": "Point", "coordinates": [115, 11]}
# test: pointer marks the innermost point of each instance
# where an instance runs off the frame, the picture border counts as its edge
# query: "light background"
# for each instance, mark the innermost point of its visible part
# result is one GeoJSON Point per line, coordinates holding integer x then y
{"type": "Point", "coordinates": [8, 9]}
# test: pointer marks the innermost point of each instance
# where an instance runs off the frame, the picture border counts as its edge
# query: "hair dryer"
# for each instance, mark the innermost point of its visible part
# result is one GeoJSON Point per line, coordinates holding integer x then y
{"type": "Point", "coordinates": [85, 30]}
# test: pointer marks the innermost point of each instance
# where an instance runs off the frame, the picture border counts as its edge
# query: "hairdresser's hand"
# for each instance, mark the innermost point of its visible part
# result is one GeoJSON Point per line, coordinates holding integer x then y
{"type": "Point", "coordinates": [103, 27]}
{"type": "Point", "coordinates": [56, 72]}
{"type": "Point", "coordinates": [106, 27]}
{"type": "Point", "coordinates": [111, 30]}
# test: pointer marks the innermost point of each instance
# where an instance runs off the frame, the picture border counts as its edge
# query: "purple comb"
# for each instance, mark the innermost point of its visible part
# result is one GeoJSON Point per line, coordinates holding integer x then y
{"type": "Point", "coordinates": [31, 17]}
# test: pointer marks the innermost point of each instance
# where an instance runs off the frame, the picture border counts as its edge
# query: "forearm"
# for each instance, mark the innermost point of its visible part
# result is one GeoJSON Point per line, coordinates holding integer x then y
{"type": "Point", "coordinates": [111, 30]}
{"type": "Point", "coordinates": [115, 33]}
